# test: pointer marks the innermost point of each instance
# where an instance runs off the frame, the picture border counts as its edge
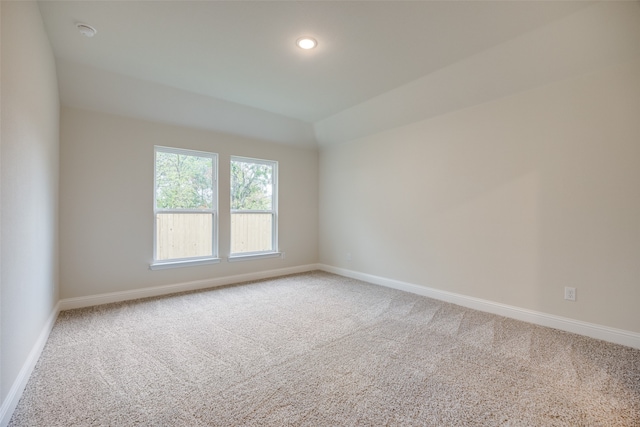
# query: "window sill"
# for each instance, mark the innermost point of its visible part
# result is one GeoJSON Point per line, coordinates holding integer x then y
{"type": "Point", "coordinates": [186, 263]}
{"type": "Point", "coordinates": [248, 257]}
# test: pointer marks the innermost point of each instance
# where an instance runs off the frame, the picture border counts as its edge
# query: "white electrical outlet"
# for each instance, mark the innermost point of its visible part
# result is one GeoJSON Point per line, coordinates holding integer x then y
{"type": "Point", "coordinates": [348, 256]}
{"type": "Point", "coordinates": [283, 255]}
{"type": "Point", "coordinates": [569, 293]}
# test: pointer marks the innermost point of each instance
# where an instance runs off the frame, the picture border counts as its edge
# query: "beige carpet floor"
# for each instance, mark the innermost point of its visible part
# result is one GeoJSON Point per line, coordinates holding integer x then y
{"type": "Point", "coordinates": [320, 350]}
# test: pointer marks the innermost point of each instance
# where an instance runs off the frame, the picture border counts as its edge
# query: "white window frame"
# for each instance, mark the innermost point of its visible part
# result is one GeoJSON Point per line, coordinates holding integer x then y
{"type": "Point", "coordinates": [274, 252]}
{"type": "Point", "coordinates": [184, 262]}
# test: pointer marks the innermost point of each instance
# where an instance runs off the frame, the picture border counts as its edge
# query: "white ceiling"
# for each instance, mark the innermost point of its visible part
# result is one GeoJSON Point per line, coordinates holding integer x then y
{"type": "Point", "coordinates": [234, 66]}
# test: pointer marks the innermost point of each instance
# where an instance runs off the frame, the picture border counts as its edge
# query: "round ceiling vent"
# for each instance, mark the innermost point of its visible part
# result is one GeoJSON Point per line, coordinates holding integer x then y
{"type": "Point", "coordinates": [86, 30]}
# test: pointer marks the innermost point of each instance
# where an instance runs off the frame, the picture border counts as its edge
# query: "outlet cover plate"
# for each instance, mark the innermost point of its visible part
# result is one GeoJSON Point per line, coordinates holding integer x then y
{"type": "Point", "coordinates": [569, 293]}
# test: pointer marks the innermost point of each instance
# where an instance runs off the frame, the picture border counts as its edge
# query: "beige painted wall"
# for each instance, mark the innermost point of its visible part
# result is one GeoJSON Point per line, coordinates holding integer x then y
{"type": "Point", "coordinates": [106, 202]}
{"type": "Point", "coordinates": [28, 186]}
{"type": "Point", "coordinates": [509, 201]}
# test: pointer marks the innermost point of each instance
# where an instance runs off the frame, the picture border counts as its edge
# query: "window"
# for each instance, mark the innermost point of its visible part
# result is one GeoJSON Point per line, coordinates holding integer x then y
{"type": "Point", "coordinates": [185, 203]}
{"type": "Point", "coordinates": [254, 188]}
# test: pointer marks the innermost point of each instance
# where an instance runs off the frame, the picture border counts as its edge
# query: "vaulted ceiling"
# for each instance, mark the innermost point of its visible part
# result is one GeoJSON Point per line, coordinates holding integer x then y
{"type": "Point", "coordinates": [234, 67]}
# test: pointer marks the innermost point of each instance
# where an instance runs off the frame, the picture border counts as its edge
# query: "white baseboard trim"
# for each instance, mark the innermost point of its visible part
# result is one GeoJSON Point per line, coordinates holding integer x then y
{"type": "Point", "coordinates": [15, 393]}
{"type": "Point", "coordinates": [91, 300]}
{"type": "Point", "coordinates": [617, 336]}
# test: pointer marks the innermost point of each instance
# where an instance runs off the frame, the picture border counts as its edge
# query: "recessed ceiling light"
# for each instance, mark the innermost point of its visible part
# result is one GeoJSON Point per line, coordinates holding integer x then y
{"type": "Point", "coordinates": [86, 30]}
{"type": "Point", "coordinates": [306, 43]}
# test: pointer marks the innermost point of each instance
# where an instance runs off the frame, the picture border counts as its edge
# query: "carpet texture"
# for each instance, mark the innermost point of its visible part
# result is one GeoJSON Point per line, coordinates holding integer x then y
{"type": "Point", "coordinates": [317, 349]}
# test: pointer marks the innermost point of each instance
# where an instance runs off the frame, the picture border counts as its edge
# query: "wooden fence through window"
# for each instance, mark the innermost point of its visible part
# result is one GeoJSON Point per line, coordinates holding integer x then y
{"type": "Point", "coordinates": [190, 235]}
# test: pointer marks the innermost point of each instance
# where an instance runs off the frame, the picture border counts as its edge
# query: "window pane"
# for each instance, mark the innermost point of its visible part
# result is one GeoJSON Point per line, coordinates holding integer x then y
{"type": "Point", "coordinates": [183, 181]}
{"type": "Point", "coordinates": [184, 235]}
{"type": "Point", "coordinates": [251, 232]}
{"type": "Point", "coordinates": [251, 186]}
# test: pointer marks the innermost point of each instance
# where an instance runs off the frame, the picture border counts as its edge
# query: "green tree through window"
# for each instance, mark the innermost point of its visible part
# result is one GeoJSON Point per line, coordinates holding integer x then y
{"type": "Point", "coordinates": [183, 181]}
{"type": "Point", "coordinates": [251, 186]}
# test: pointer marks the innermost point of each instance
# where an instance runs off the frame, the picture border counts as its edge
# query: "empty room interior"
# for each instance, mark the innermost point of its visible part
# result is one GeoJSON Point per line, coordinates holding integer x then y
{"type": "Point", "coordinates": [320, 213]}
